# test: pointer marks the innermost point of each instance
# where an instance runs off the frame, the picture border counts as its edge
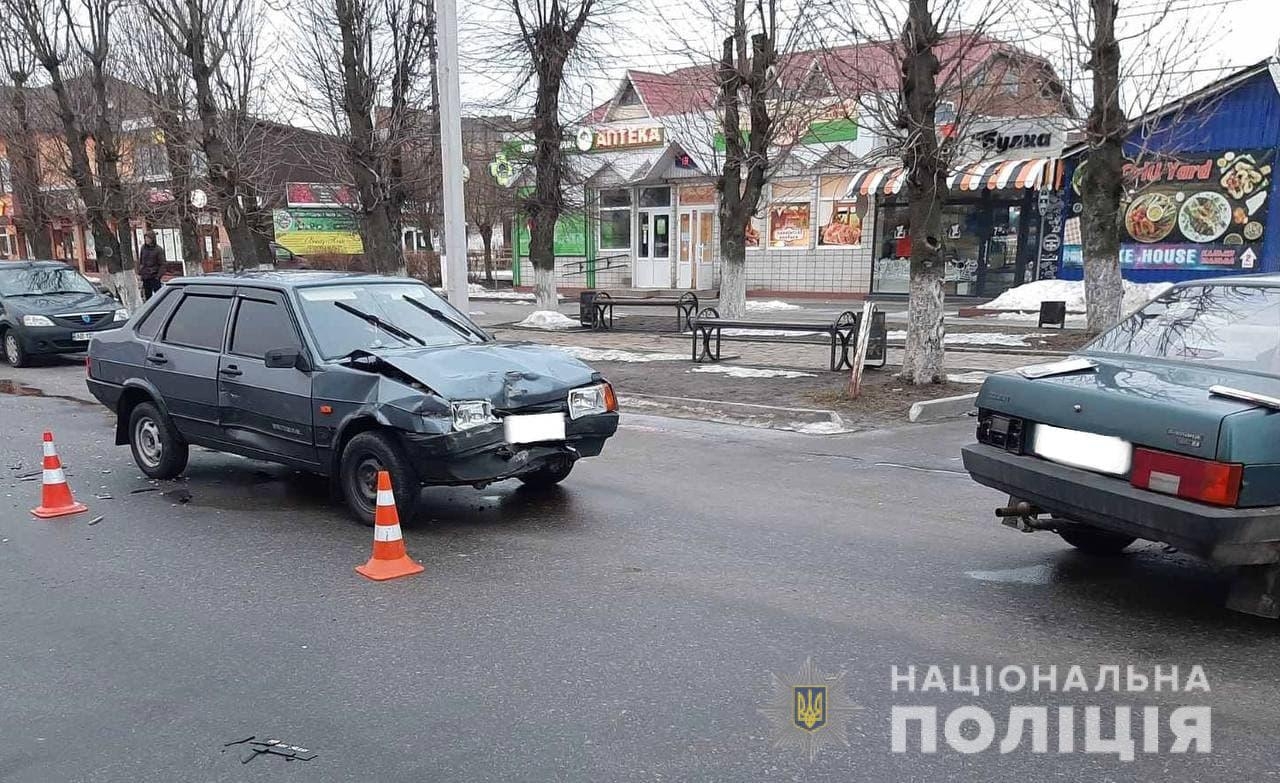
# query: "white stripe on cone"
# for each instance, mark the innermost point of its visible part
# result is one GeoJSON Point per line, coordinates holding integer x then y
{"type": "Point", "coordinates": [48, 449]}
{"type": "Point", "coordinates": [55, 476]}
{"type": "Point", "coordinates": [386, 532]}
{"type": "Point", "coordinates": [385, 498]}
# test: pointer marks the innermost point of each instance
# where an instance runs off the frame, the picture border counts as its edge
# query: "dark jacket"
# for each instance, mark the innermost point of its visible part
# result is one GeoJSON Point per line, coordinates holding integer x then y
{"type": "Point", "coordinates": [150, 262]}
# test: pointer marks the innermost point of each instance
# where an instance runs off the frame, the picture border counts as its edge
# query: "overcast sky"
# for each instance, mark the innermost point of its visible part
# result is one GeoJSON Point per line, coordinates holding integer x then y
{"type": "Point", "coordinates": [1200, 41]}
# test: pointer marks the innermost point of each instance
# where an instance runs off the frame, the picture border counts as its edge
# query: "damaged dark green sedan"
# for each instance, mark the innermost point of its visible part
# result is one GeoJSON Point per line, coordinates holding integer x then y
{"type": "Point", "coordinates": [345, 375]}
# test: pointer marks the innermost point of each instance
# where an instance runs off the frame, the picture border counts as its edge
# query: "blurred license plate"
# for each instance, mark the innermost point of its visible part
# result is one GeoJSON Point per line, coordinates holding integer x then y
{"type": "Point", "coordinates": [534, 428]}
{"type": "Point", "coordinates": [1086, 450]}
{"type": "Point", "coordinates": [81, 337]}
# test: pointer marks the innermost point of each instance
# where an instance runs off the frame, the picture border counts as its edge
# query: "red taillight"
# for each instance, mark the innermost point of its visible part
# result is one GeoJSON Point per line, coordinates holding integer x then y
{"type": "Point", "coordinates": [1187, 477]}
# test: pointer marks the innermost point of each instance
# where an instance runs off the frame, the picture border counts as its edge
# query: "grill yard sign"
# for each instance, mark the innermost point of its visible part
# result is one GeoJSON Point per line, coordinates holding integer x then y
{"type": "Point", "coordinates": [1193, 212]}
{"type": "Point", "coordinates": [311, 231]}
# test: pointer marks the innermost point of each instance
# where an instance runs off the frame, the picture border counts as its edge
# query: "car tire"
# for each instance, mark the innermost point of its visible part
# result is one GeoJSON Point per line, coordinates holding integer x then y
{"type": "Point", "coordinates": [158, 449]}
{"type": "Point", "coordinates": [548, 475]}
{"type": "Point", "coordinates": [14, 353]}
{"type": "Point", "coordinates": [363, 456]}
{"type": "Point", "coordinates": [1096, 542]}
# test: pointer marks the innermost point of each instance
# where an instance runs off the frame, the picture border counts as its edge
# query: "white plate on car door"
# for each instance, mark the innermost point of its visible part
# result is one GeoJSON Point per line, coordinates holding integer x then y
{"type": "Point", "coordinates": [533, 428]}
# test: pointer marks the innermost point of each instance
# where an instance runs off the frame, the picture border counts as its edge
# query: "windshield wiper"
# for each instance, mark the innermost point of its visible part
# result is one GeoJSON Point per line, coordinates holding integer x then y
{"type": "Point", "coordinates": [460, 328]}
{"type": "Point", "coordinates": [381, 324]}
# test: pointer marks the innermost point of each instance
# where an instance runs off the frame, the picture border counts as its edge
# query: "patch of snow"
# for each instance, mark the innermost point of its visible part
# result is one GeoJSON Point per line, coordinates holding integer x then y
{"type": "Point", "coordinates": [476, 288]}
{"type": "Point", "coordinates": [976, 376]}
{"type": "Point", "coordinates": [977, 338]}
{"type": "Point", "coordinates": [750, 372]}
{"type": "Point", "coordinates": [770, 306]}
{"type": "Point", "coordinates": [548, 319]}
{"type": "Point", "coordinates": [763, 333]}
{"type": "Point", "coordinates": [480, 292]}
{"type": "Point", "coordinates": [818, 427]}
{"type": "Point", "coordinates": [617, 355]}
{"type": "Point", "coordinates": [1029, 295]}
{"type": "Point", "coordinates": [1031, 318]}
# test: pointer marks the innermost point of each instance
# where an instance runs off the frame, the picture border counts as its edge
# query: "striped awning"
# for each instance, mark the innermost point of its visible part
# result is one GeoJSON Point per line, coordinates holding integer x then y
{"type": "Point", "coordinates": [1024, 174]}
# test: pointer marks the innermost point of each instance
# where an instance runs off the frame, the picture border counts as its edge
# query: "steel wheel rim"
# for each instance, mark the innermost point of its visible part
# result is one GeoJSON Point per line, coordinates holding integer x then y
{"type": "Point", "coordinates": [364, 479]}
{"type": "Point", "coordinates": [147, 439]}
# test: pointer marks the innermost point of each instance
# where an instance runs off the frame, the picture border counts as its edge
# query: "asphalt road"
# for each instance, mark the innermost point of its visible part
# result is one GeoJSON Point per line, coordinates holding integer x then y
{"type": "Point", "coordinates": [625, 627]}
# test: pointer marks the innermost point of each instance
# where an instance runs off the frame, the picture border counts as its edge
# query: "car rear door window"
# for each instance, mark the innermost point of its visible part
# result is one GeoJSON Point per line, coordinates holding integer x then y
{"type": "Point", "coordinates": [261, 327]}
{"type": "Point", "coordinates": [150, 324]}
{"type": "Point", "coordinates": [199, 322]}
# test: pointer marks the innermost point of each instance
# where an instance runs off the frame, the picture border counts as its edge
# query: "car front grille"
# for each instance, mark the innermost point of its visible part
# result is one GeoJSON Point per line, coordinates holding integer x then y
{"type": "Point", "coordinates": [81, 320]}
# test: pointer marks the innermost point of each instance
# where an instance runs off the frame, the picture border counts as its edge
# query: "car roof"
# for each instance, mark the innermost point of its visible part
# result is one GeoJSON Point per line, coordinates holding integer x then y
{"type": "Point", "coordinates": [288, 279]}
{"type": "Point", "coordinates": [1261, 280]}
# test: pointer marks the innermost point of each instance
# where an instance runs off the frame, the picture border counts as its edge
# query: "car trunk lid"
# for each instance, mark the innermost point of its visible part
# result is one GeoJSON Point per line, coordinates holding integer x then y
{"type": "Point", "coordinates": [1160, 405]}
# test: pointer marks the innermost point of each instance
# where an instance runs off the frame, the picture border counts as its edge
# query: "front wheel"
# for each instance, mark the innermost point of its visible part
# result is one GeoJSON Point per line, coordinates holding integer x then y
{"type": "Point", "coordinates": [364, 456]}
{"type": "Point", "coordinates": [14, 353]}
{"type": "Point", "coordinates": [1096, 542]}
{"type": "Point", "coordinates": [548, 476]}
{"type": "Point", "coordinates": [157, 447]}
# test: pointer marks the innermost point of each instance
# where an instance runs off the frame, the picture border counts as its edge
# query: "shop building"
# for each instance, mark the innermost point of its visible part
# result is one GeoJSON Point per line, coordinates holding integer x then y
{"type": "Point", "coordinates": [832, 216]}
{"type": "Point", "coordinates": [1200, 187]}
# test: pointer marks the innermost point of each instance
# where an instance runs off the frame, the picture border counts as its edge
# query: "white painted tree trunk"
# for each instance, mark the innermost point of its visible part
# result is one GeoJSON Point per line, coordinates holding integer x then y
{"type": "Point", "coordinates": [924, 358]}
{"type": "Point", "coordinates": [124, 284]}
{"type": "Point", "coordinates": [733, 288]}
{"type": "Point", "coordinates": [544, 289]}
{"type": "Point", "coordinates": [1103, 293]}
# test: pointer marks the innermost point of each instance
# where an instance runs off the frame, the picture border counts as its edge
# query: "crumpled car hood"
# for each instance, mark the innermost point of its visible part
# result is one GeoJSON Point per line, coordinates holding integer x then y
{"type": "Point", "coordinates": [509, 375]}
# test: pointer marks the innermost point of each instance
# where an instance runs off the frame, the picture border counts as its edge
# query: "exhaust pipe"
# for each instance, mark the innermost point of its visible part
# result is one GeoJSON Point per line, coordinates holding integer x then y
{"type": "Point", "coordinates": [1022, 516]}
{"type": "Point", "coordinates": [1020, 509]}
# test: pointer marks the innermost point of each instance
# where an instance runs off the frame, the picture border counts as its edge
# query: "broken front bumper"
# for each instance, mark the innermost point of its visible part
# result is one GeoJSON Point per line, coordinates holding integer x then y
{"type": "Point", "coordinates": [482, 455]}
{"type": "Point", "coordinates": [1233, 536]}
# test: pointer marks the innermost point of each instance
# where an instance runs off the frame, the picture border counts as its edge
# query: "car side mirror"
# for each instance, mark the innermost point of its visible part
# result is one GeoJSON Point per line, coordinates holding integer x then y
{"type": "Point", "coordinates": [286, 358]}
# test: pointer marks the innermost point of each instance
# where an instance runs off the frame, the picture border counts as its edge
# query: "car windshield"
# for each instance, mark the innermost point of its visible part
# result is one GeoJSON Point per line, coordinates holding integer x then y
{"type": "Point", "coordinates": [370, 316]}
{"type": "Point", "coordinates": [39, 280]}
{"type": "Point", "coordinates": [1232, 326]}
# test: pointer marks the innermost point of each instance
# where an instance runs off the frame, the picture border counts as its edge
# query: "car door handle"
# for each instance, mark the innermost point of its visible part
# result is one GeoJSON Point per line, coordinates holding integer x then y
{"type": "Point", "coordinates": [157, 358]}
{"type": "Point", "coordinates": [231, 370]}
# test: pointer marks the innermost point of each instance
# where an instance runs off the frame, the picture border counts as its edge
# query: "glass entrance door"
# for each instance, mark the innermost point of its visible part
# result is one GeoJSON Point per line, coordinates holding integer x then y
{"type": "Point", "coordinates": [653, 254]}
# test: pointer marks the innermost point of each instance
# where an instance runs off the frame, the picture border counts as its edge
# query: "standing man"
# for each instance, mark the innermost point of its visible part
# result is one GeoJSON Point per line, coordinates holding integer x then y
{"type": "Point", "coordinates": [150, 265]}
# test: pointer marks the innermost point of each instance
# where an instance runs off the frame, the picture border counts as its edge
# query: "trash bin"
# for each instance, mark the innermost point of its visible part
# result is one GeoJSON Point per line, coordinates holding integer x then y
{"type": "Point", "coordinates": [587, 309]}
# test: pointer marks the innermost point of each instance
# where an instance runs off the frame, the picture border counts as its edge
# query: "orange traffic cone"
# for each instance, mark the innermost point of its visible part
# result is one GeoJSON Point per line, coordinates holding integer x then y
{"type": "Point", "coordinates": [389, 558]}
{"type": "Point", "coordinates": [55, 500]}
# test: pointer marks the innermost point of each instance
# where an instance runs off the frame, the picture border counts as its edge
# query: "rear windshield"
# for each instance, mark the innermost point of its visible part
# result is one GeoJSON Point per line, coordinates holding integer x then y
{"type": "Point", "coordinates": [1232, 326]}
{"type": "Point", "coordinates": [339, 331]}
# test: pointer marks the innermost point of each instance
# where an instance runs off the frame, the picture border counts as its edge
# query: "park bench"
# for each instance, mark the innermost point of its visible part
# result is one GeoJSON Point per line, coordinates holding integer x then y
{"type": "Point", "coordinates": [708, 328]}
{"type": "Point", "coordinates": [595, 308]}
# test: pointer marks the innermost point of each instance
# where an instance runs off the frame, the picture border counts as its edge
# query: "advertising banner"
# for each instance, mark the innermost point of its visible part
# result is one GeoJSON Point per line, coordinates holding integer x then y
{"type": "Point", "coordinates": [569, 240]}
{"type": "Point", "coordinates": [789, 226]}
{"type": "Point", "coordinates": [1192, 212]}
{"type": "Point", "coordinates": [311, 231]}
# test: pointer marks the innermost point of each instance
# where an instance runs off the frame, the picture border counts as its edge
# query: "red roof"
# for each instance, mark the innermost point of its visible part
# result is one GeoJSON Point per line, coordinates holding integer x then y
{"type": "Point", "coordinates": [858, 68]}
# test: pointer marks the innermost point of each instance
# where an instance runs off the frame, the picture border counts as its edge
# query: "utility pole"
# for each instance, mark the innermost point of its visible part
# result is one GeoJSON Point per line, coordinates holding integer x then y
{"type": "Point", "coordinates": [453, 266]}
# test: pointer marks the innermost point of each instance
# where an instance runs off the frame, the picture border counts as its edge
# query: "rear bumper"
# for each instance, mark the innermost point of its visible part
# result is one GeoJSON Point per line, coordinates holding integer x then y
{"type": "Point", "coordinates": [482, 456]}
{"type": "Point", "coordinates": [1235, 536]}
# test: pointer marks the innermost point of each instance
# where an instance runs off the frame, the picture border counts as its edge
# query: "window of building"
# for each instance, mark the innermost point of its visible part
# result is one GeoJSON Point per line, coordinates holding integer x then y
{"type": "Point", "coordinates": [629, 96]}
{"type": "Point", "coordinates": [261, 327]}
{"type": "Point", "coordinates": [199, 322]}
{"type": "Point", "coordinates": [615, 219]}
{"type": "Point", "coordinates": [789, 217]}
{"type": "Point", "coordinates": [841, 218]}
{"type": "Point", "coordinates": [199, 164]}
{"type": "Point", "coordinates": [6, 178]}
{"type": "Point", "coordinates": [655, 197]}
{"type": "Point", "coordinates": [149, 162]}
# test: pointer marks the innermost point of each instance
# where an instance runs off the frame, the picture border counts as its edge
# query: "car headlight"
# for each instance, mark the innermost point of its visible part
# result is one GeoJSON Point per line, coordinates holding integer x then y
{"type": "Point", "coordinates": [470, 414]}
{"type": "Point", "coordinates": [36, 320]}
{"type": "Point", "coordinates": [122, 314]}
{"type": "Point", "coordinates": [591, 400]}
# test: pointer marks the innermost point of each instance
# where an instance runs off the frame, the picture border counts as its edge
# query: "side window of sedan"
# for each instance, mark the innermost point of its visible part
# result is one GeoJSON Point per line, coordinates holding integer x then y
{"type": "Point", "coordinates": [199, 322]}
{"type": "Point", "coordinates": [260, 327]}
{"type": "Point", "coordinates": [150, 324]}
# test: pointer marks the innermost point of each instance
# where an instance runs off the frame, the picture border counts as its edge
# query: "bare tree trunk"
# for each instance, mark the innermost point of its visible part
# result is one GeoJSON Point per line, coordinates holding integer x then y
{"type": "Point", "coordinates": [548, 197]}
{"type": "Point", "coordinates": [733, 267]}
{"type": "Point", "coordinates": [1102, 183]}
{"type": "Point", "coordinates": [923, 360]}
{"type": "Point", "coordinates": [31, 214]}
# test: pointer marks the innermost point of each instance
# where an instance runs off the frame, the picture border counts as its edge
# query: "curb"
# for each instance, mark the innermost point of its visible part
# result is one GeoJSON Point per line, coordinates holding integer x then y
{"type": "Point", "coordinates": [942, 408]}
{"type": "Point", "coordinates": [812, 421]}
